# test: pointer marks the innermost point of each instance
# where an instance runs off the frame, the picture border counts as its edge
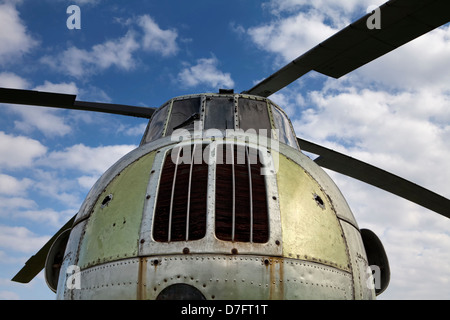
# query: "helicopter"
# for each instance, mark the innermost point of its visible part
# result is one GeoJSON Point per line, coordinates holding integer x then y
{"type": "Point", "coordinates": [161, 261]}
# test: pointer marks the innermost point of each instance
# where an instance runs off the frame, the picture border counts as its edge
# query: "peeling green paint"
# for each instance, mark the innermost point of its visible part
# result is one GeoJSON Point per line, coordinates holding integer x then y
{"type": "Point", "coordinates": [310, 228]}
{"type": "Point", "coordinates": [112, 231]}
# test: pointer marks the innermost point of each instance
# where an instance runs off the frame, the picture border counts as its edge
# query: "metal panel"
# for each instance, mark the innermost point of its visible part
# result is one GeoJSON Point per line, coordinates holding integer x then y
{"type": "Point", "coordinates": [311, 229]}
{"type": "Point", "coordinates": [116, 280]}
{"type": "Point", "coordinates": [360, 267]}
{"type": "Point", "coordinates": [340, 205]}
{"type": "Point", "coordinates": [244, 277]}
{"type": "Point", "coordinates": [113, 228]}
{"type": "Point", "coordinates": [70, 259]}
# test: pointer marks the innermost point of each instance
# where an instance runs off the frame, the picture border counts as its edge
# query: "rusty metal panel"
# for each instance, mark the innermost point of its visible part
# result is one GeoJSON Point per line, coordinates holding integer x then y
{"type": "Point", "coordinates": [113, 228]}
{"type": "Point", "coordinates": [340, 205]}
{"type": "Point", "coordinates": [117, 280]}
{"type": "Point", "coordinates": [249, 277]}
{"type": "Point", "coordinates": [70, 259]}
{"type": "Point", "coordinates": [311, 230]}
{"type": "Point", "coordinates": [362, 274]}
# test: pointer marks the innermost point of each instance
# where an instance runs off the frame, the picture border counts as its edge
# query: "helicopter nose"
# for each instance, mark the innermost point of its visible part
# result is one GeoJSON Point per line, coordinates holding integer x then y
{"type": "Point", "coordinates": [180, 291]}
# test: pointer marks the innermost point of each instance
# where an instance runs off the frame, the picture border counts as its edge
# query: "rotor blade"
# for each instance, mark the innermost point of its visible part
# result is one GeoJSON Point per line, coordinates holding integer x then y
{"type": "Point", "coordinates": [67, 101]}
{"type": "Point", "coordinates": [36, 263]}
{"type": "Point", "coordinates": [357, 44]}
{"type": "Point", "coordinates": [377, 177]}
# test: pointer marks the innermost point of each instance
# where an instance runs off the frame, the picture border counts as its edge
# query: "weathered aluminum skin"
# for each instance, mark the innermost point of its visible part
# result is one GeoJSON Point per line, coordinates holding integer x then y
{"type": "Point", "coordinates": [314, 250]}
{"type": "Point", "coordinates": [221, 277]}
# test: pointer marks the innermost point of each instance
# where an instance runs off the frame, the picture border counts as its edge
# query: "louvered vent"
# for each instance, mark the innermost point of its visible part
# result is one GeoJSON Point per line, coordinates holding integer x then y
{"type": "Point", "coordinates": [240, 202]}
{"type": "Point", "coordinates": [181, 207]}
{"type": "Point", "coordinates": [241, 207]}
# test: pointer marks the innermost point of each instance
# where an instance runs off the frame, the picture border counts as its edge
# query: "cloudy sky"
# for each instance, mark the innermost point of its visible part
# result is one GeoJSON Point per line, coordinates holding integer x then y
{"type": "Point", "coordinates": [393, 113]}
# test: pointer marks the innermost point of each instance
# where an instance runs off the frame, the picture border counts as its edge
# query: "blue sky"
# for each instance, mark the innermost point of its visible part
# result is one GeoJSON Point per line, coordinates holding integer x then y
{"type": "Point", "coordinates": [393, 113]}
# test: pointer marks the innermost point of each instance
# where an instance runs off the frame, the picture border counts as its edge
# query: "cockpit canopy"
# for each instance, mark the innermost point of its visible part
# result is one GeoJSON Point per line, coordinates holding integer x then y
{"type": "Point", "coordinates": [221, 112]}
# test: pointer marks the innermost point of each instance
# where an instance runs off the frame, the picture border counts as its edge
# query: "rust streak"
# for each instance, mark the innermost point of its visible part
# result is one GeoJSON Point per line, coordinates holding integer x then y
{"type": "Point", "coordinates": [276, 285]}
{"type": "Point", "coordinates": [142, 279]}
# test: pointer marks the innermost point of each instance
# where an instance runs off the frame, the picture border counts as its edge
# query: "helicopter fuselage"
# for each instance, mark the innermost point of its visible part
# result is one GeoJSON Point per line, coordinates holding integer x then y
{"type": "Point", "coordinates": [206, 208]}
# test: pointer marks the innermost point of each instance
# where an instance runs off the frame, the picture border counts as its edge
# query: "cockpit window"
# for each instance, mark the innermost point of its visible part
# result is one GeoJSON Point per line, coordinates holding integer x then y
{"type": "Point", "coordinates": [155, 127]}
{"type": "Point", "coordinates": [253, 115]}
{"type": "Point", "coordinates": [219, 113]}
{"type": "Point", "coordinates": [184, 113]}
{"type": "Point", "coordinates": [285, 132]}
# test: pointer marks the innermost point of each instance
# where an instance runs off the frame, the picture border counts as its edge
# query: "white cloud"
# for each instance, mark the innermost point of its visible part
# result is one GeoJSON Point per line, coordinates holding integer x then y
{"type": "Point", "coordinates": [116, 53]}
{"type": "Point", "coordinates": [299, 25]}
{"type": "Point", "coordinates": [384, 129]}
{"type": "Point", "coordinates": [14, 37]}
{"type": "Point", "coordinates": [408, 66]}
{"type": "Point", "coordinates": [87, 182]}
{"type": "Point", "coordinates": [11, 186]}
{"type": "Point", "coordinates": [20, 239]}
{"type": "Point", "coordinates": [8, 203]}
{"type": "Point", "coordinates": [292, 36]}
{"type": "Point", "coordinates": [119, 53]}
{"type": "Point", "coordinates": [87, 159]}
{"type": "Point", "coordinates": [157, 40]}
{"type": "Point", "coordinates": [47, 120]}
{"type": "Point", "coordinates": [46, 216]}
{"type": "Point", "coordinates": [332, 8]}
{"type": "Point", "coordinates": [133, 130]}
{"type": "Point", "coordinates": [205, 72]}
{"type": "Point", "coordinates": [8, 295]}
{"type": "Point", "coordinates": [19, 152]}
{"type": "Point", "coordinates": [63, 87]}
{"type": "Point", "coordinates": [11, 80]}
{"type": "Point", "coordinates": [79, 62]}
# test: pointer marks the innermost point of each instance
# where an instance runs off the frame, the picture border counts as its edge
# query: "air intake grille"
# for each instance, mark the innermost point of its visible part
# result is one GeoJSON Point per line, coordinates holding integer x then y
{"type": "Point", "coordinates": [241, 207]}
{"type": "Point", "coordinates": [181, 207]}
{"type": "Point", "coordinates": [240, 200]}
